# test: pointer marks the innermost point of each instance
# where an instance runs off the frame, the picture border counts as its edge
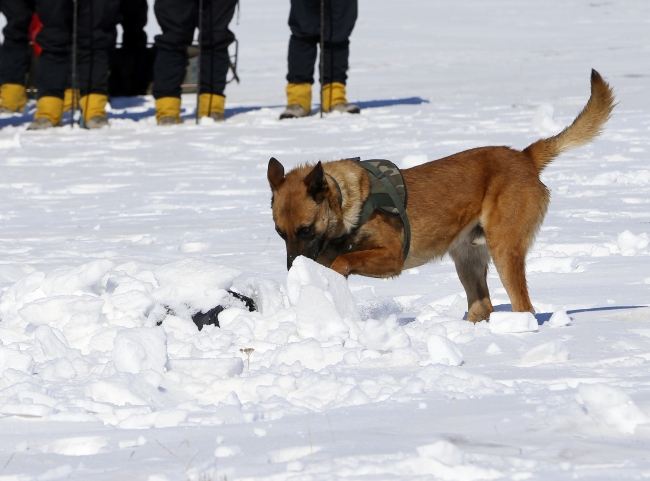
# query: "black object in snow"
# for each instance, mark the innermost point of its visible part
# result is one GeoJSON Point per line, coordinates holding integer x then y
{"type": "Point", "coordinates": [211, 318]}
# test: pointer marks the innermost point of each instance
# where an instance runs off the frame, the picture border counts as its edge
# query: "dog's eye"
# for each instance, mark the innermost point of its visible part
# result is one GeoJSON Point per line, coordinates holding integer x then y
{"type": "Point", "coordinates": [305, 231]}
{"type": "Point", "coordinates": [280, 233]}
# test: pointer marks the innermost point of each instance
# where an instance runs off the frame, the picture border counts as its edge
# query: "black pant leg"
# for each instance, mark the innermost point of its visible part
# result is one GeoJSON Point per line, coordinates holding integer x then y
{"type": "Point", "coordinates": [340, 18]}
{"type": "Point", "coordinates": [304, 21]}
{"type": "Point", "coordinates": [215, 39]}
{"type": "Point", "coordinates": [15, 48]}
{"type": "Point", "coordinates": [19, 15]}
{"type": "Point", "coordinates": [52, 74]}
{"type": "Point", "coordinates": [96, 34]}
{"type": "Point", "coordinates": [54, 64]}
{"type": "Point", "coordinates": [177, 20]}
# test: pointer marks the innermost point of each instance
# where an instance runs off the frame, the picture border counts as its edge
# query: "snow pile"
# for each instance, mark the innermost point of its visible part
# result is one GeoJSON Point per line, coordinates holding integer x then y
{"type": "Point", "coordinates": [117, 343]}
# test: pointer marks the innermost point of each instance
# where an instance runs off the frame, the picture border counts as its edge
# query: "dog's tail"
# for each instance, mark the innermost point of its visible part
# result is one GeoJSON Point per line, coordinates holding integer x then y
{"type": "Point", "coordinates": [587, 125]}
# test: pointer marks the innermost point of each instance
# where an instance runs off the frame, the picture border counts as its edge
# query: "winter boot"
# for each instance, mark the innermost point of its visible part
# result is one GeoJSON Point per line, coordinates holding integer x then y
{"type": "Point", "coordinates": [13, 97]}
{"type": "Point", "coordinates": [298, 101]}
{"type": "Point", "coordinates": [40, 123]}
{"type": "Point", "coordinates": [168, 111]}
{"type": "Point", "coordinates": [67, 99]}
{"type": "Point", "coordinates": [213, 106]}
{"type": "Point", "coordinates": [334, 99]}
{"type": "Point", "coordinates": [49, 111]}
{"type": "Point", "coordinates": [93, 110]}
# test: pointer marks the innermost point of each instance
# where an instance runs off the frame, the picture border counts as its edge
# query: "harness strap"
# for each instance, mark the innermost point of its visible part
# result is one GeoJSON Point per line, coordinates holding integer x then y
{"type": "Point", "coordinates": [391, 198]}
{"type": "Point", "coordinates": [338, 189]}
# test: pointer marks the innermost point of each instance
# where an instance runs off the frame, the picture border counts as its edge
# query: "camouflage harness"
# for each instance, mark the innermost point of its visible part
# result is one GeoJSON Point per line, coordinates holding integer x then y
{"type": "Point", "coordinates": [387, 194]}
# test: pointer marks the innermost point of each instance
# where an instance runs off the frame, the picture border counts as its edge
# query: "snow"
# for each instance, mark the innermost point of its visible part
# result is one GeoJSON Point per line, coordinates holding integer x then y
{"type": "Point", "coordinates": [112, 240]}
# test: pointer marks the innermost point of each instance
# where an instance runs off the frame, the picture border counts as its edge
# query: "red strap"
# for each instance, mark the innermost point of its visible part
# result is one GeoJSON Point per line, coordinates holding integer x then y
{"type": "Point", "coordinates": [34, 28]}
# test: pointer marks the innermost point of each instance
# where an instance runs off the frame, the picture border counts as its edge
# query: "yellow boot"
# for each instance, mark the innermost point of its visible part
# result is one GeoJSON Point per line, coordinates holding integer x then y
{"type": "Point", "coordinates": [334, 99]}
{"type": "Point", "coordinates": [298, 101]}
{"type": "Point", "coordinates": [49, 111]}
{"type": "Point", "coordinates": [168, 111]}
{"type": "Point", "coordinates": [93, 111]}
{"type": "Point", "coordinates": [67, 99]}
{"type": "Point", "coordinates": [213, 106]}
{"type": "Point", "coordinates": [14, 98]}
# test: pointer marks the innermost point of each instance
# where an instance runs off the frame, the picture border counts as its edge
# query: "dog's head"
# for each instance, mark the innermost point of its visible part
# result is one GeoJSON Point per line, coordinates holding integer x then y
{"type": "Point", "coordinates": [301, 210]}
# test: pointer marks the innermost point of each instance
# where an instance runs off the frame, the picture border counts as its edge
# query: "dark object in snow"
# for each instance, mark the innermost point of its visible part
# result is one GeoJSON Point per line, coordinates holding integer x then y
{"type": "Point", "coordinates": [211, 318]}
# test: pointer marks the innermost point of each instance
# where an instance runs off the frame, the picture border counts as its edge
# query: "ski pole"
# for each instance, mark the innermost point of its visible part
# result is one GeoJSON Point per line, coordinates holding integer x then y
{"type": "Point", "coordinates": [322, 53]}
{"type": "Point", "coordinates": [198, 63]}
{"type": "Point", "coordinates": [75, 9]}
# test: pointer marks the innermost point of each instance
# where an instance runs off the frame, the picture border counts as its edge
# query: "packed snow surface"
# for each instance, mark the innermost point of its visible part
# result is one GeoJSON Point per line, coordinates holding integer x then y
{"type": "Point", "coordinates": [111, 240]}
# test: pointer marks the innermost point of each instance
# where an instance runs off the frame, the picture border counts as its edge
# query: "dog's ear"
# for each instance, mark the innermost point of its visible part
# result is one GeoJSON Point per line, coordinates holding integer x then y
{"type": "Point", "coordinates": [316, 184]}
{"type": "Point", "coordinates": [275, 174]}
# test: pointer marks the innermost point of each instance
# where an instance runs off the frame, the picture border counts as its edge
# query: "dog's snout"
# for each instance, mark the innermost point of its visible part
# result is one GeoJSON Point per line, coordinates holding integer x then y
{"type": "Point", "coordinates": [290, 259]}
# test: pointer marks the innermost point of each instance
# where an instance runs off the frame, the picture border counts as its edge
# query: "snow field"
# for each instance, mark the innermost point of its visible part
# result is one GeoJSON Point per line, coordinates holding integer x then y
{"type": "Point", "coordinates": [105, 234]}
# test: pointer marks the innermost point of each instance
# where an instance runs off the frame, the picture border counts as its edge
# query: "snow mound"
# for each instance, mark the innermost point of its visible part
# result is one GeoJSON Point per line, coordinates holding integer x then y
{"type": "Point", "coordinates": [116, 343]}
{"type": "Point", "coordinates": [611, 406]}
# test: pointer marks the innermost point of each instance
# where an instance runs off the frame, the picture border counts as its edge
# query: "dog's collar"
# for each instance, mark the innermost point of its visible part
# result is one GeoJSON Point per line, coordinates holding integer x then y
{"type": "Point", "coordinates": [338, 189]}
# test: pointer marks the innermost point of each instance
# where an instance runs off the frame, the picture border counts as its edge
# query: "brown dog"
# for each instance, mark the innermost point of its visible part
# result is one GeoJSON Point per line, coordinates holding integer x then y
{"type": "Point", "coordinates": [479, 204]}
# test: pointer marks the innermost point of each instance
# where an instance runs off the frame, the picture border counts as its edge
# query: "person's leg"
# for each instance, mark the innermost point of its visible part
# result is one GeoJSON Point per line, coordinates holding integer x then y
{"type": "Point", "coordinates": [15, 54]}
{"type": "Point", "coordinates": [304, 21]}
{"type": "Point", "coordinates": [340, 17]}
{"type": "Point", "coordinates": [96, 34]}
{"type": "Point", "coordinates": [54, 63]}
{"type": "Point", "coordinates": [177, 20]}
{"type": "Point", "coordinates": [215, 61]}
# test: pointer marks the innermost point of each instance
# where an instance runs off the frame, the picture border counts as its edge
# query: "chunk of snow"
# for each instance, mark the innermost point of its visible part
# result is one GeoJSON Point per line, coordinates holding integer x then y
{"type": "Point", "coordinates": [193, 284]}
{"type": "Point", "coordinates": [546, 352]}
{"type": "Point", "coordinates": [13, 359]}
{"type": "Point", "coordinates": [136, 350]}
{"type": "Point", "coordinates": [559, 318]}
{"type": "Point", "coordinates": [612, 407]}
{"type": "Point", "coordinates": [443, 351]}
{"type": "Point", "coordinates": [631, 244]}
{"type": "Point", "coordinates": [512, 322]}
{"type": "Point", "coordinates": [317, 317]}
{"type": "Point", "coordinates": [305, 272]}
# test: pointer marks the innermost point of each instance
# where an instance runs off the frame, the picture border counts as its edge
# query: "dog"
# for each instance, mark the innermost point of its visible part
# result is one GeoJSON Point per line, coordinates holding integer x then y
{"type": "Point", "coordinates": [482, 204]}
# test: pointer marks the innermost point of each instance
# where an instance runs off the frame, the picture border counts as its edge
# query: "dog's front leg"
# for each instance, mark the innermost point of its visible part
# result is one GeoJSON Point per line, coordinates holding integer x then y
{"type": "Point", "coordinates": [378, 262]}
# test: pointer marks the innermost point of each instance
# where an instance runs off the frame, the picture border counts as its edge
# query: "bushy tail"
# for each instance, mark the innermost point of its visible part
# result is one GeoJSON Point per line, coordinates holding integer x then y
{"type": "Point", "coordinates": [587, 125]}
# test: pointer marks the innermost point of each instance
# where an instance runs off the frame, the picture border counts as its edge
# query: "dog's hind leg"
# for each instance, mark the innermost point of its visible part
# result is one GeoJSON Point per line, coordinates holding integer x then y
{"type": "Point", "coordinates": [510, 227]}
{"type": "Point", "coordinates": [471, 256]}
